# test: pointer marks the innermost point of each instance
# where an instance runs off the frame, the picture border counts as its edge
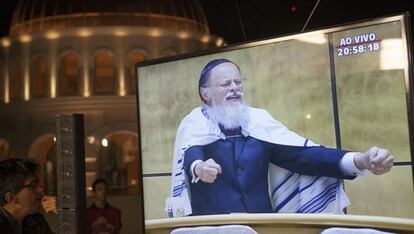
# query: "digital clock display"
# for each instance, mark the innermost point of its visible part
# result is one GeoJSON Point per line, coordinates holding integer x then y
{"type": "Point", "coordinates": [358, 44]}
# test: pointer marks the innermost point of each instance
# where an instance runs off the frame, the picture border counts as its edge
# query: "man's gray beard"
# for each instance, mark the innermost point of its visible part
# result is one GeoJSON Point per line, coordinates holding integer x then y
{"type": "Point", "coordinates": [229, 115]}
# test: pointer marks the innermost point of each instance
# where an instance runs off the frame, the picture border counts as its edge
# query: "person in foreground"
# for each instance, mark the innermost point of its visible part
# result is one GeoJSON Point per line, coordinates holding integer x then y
{"type": "Point", "coordinates": [225, 152]}
{"type": "Point", "coordinates": [21, 198]}
{"type": "Point", "coordinates": [100, 216]}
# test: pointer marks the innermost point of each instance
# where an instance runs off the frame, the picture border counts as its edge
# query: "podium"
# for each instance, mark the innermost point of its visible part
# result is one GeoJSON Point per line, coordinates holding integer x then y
{"type": "Point", "coordinates": [284, 223]}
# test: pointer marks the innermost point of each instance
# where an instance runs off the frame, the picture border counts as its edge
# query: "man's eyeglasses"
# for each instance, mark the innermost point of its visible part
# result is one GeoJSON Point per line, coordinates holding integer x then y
{"type": "Point", "coordinates": [33, 186]}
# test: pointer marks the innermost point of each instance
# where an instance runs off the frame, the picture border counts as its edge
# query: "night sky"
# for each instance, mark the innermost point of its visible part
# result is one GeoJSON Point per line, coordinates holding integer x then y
{"type": "Point", "coordinates": [263, 19]}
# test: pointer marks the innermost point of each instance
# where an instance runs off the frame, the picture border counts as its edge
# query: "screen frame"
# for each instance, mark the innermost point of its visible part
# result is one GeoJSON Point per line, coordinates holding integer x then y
{"type": "Point", "coordinates": [404, 18]}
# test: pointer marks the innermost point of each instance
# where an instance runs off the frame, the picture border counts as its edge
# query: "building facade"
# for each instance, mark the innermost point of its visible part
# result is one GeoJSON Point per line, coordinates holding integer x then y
{"type": "Point", "coordinates": [79, 57]}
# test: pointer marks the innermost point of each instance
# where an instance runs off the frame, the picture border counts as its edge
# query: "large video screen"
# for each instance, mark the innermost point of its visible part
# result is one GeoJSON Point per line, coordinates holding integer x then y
{"type": "Point", "coordinates": [346, 87]}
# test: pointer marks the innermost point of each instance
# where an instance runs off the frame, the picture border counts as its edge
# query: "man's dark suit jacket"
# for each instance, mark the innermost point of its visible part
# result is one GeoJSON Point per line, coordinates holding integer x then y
{"type": "Point", "coordinates": [243, 184]}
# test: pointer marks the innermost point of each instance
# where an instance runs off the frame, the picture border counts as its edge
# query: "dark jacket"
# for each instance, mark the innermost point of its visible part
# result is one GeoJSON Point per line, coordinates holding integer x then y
{"type": "Point", "coordinates": [32, 224]}
{"type": "Point", "coordinates": [243, 185]}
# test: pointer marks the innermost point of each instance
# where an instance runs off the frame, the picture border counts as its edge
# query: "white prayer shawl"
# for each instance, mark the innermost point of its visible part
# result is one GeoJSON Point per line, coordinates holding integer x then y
{"type": "Point", "coordinates": [290, 192]}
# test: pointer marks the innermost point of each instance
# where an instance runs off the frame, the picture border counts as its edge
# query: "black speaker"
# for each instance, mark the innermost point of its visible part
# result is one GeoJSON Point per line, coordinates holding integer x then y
{"type": "Point", "coordinates": [71, 189]}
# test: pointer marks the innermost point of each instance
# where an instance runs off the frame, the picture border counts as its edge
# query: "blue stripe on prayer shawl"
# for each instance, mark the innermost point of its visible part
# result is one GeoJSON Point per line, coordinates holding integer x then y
{"type": "Point", "coordinates": [177, 193]}
{"type": "Point", "coordinates": [316, 198]}
{"type": "Point", "coordinates": [328, 199]}
{"type": "Point", "coordinates": [306, 142]}
{"type": "Point", "coordinates": [322, 200]}
{"type": "Point", "coordinates": [293, 194]}
{"type": "Point", "coordinates": [178, 186]}
{"type": "Point", "coordinates": [318, 207]}
{"type": "Point", "coordinates": [179, 173]}
{"type": "Point", "coordinates": [178, 189]}
{"type": "Point", "coordinates": [180, 160]}
{"type": "Point", "coordinates": [332, 199]}
{"type": "Point", "coordinates": [313, 200]}
{"type": "Point", "coordinates": [307, 186]}
{"type": "Point", "coordinates": [284, 181]}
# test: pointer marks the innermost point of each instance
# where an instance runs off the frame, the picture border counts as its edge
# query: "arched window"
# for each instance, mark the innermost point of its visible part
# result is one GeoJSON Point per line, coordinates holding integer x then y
{"type": "Point", "coordinates": [104, 73]}
{"type": "Point", "coordinates": [117, 162]}
{"type": "Point", "coordinates": [38, 77]}
{"type": "Point", "coordinates": [15, 81]}
{"type": "Point", "coordinates": [69, 83]}
{"type": "Point", "coordinates": [133, 59]}
{"type": "Point", "coordinates": [5, 149]}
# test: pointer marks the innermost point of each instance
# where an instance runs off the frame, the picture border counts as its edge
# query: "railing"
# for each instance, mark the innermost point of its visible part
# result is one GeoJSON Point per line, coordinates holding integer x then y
{"type": "Point", "coordinates": [284, 223]}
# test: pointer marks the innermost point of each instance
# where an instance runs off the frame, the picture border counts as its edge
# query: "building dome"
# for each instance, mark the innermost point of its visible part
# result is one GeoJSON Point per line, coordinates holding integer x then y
{"type": "Point", "coordinates": [43, 15]}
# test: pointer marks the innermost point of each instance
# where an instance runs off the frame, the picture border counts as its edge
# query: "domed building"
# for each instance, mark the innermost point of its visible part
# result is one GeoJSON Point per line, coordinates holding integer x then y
{"type": "Point", "coordinates": [65, 57]}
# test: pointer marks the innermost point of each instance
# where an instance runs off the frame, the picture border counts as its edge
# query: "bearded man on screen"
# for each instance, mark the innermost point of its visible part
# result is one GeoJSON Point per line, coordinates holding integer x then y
{"type": "Point", "coordinates": [227, 154]}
